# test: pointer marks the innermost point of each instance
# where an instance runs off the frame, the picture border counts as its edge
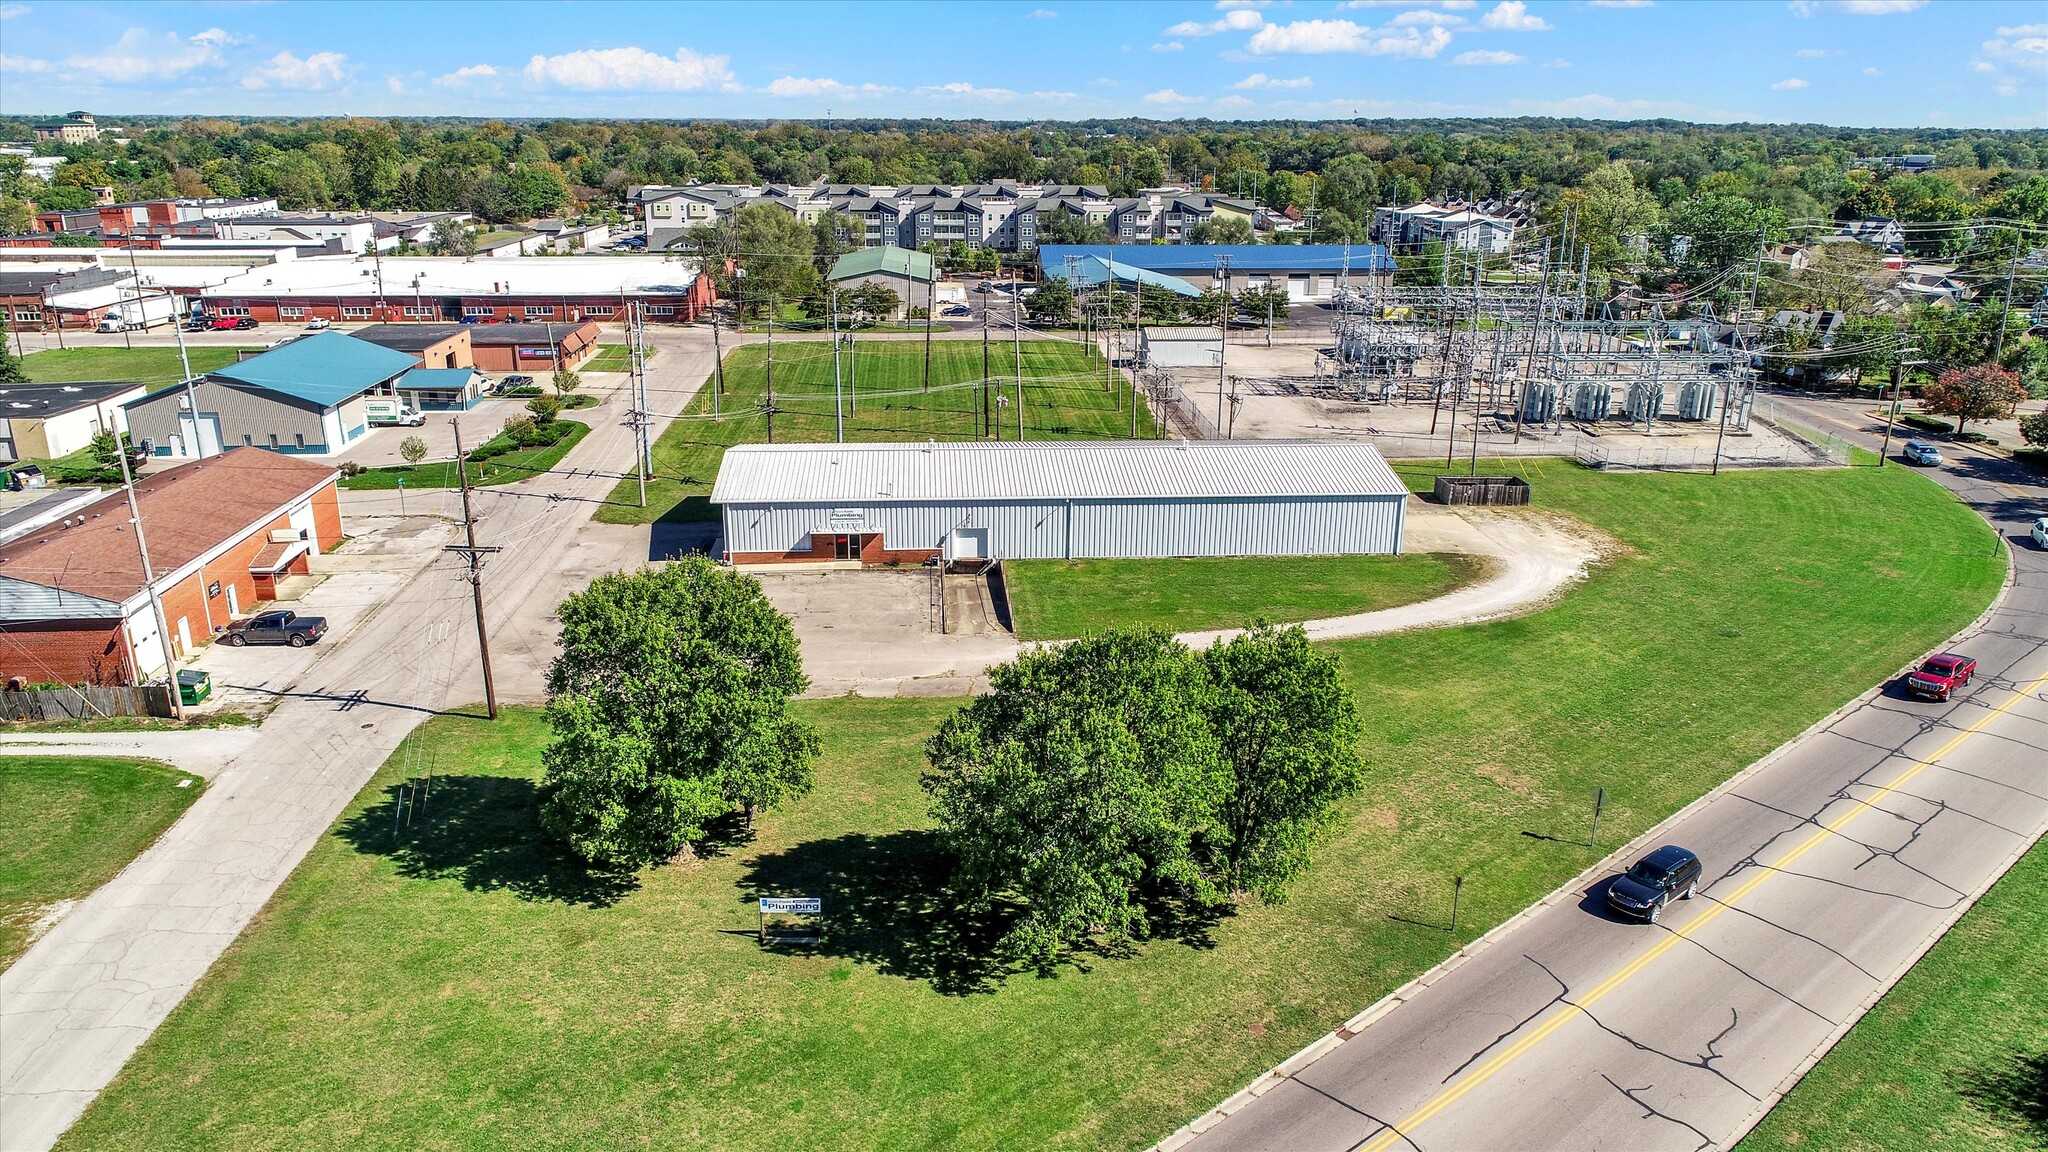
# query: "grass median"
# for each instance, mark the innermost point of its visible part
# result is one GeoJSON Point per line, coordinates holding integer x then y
{"type": "Point", "coordinates": [158, 367]}
{"type": "Point", "coordinates": [884, 399]}
{"type": "Point", "coordinates": [458, 983]}
{"type": "Point", "coordinates": [1954, 1056]}
{"type": "Point", "coordinates": [518, 464]}
{"type": "Point", "coordinates": [1062, 599]}
{"type": "Point", "coordinates": [72, 823]}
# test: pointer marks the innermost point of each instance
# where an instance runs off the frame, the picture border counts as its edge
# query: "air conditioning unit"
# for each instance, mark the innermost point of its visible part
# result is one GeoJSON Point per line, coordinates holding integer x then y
{"type": "Point", "coordinates": [286, 535]}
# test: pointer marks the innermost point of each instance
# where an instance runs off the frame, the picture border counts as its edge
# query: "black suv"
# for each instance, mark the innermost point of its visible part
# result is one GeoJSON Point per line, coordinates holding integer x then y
{"type": "Point", "coordinates": [1670, 873]}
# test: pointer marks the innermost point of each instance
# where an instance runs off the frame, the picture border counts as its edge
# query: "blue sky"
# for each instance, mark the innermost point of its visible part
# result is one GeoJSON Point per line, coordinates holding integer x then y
{"type": "Point", "coordinates": [1855, 62]}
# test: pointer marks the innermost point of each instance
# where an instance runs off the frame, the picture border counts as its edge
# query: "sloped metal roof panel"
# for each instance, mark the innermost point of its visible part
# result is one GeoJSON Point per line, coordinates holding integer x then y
{"type": "Point", "coordinates": [1055, 470]}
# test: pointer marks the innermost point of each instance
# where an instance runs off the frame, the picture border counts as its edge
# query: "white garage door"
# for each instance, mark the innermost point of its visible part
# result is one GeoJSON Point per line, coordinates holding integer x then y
{"type": "Point", "coordinates": [1297, 287]}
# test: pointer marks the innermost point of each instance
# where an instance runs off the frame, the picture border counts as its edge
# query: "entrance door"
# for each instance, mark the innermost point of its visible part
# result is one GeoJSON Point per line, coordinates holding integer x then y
{"type": "Point", "coordinates": [234, 607]}
{"type": "Point", "coordinates": [846, 547]}
{"type": "Point", "coordinates": [970, 544]}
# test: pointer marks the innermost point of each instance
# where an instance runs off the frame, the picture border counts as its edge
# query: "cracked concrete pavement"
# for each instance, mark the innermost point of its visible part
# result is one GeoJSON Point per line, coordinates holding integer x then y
{"type": "Point", "coordinates": [90, 991]}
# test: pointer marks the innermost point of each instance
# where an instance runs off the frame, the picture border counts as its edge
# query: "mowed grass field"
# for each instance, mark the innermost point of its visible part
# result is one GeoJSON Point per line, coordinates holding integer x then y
{"type": "Point", "coordinates": [1065, 398]}
{"type": "Point", "coordinates": [1062, 599]}
{"type": "Point", "coordinates": [1954, 1056]}
{"type": "Point", "coordinates": [461, 986]}
{"type": "Point", "coordinates": [158, 367]}
{"type": "Point", "coordinates": [518, 464]}
{"type": "Point", "coordinates": [73, 822]}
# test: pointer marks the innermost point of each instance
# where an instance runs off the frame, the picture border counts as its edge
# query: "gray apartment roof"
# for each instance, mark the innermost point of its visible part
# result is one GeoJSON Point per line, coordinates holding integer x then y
{"type": "Point", "coordinates": [409, 337]}
{"type": "Point", "coordinates": [1054, 470]}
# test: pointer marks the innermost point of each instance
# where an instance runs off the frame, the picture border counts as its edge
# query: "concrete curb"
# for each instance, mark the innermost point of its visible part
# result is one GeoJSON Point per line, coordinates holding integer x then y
{"type": "Point", "coordinates": [1286, 1069]}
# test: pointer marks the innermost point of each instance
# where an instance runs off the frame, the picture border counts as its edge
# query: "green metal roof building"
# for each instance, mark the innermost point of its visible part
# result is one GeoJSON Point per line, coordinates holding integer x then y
{"type": "Point", "coordinates": [888, 261]}
{"type": "Point", "coordinates": [306, 397]}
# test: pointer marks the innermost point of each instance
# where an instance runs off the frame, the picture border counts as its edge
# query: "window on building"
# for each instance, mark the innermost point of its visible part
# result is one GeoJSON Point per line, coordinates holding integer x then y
{"type": "Point", "coordinates": [273, 442]}
{"type": "Point", "coordinates": [299, 438]}
{"type": "Point", "coordinates": [661, 310]}
{"type": "Point", "coordinates": [248, 441]}
{"type": "Point", "coordinates": [476, 309]}
{"type": "Point", "coordinates": [230, 311]}
{"type": "Point", "coordinates": [28, 316]}
{"type": "Point", "coordinates": [353, 312]}
{"type": "Point", "coordinates": [598, 310]}
{"type": "Point", "coordinates": [540, 310]}
{"type": "Point", "coordinates": [417, 313]}
{"type": "Point", "coordinates": [291, 313]}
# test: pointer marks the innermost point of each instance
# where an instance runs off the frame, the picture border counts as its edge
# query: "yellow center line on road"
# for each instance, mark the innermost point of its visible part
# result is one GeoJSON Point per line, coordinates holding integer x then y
{"type": "Point", "coordinates": [1572, 1011]}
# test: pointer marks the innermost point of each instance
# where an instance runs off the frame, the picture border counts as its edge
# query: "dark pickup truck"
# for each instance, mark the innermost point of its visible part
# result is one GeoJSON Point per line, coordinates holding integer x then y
{"type": "Point", "coordinates": [275, 628]}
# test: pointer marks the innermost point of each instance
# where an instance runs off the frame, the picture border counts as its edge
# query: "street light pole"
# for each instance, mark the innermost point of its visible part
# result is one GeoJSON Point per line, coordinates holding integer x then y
{"type": "Point", "coordinates": [156, 605]}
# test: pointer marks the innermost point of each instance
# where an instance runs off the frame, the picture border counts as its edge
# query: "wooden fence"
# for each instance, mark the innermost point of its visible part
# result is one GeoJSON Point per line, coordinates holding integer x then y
{"type": "Point", "coordinates": [86, 703]}
{"type": "Point", "coordinates": [1482, 490]}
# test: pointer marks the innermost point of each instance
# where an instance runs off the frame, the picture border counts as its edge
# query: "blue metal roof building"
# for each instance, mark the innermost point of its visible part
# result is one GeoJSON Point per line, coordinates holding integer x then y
{"type": "Point", "coordinates": [306, 397]}
{"type": "Point", "coordinates": [1093, 270]}
{"type": "Point", "coordinates": [1307, 271]}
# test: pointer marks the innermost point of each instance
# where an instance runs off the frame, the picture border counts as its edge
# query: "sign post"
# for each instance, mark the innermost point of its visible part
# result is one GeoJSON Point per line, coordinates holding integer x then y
{"type": "Point", "coordinates": [809, 906]}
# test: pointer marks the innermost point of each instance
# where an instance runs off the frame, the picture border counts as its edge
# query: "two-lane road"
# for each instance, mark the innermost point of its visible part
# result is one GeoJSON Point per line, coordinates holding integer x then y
{"type": "Point", "coordinates": [1830, 869]}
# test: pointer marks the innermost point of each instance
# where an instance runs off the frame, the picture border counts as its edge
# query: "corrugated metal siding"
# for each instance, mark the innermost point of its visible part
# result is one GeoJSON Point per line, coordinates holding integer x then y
{"type": "Point", "coordinates": [972, 473]}
{"type": "Point", "coordinates": [1094, 529]}
{"type": "Point", "coordinates": [242, 411]}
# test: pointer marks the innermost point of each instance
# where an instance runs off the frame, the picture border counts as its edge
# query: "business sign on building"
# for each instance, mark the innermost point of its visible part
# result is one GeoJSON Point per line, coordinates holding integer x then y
{"type": "Point", "coordinates": [536, 353]}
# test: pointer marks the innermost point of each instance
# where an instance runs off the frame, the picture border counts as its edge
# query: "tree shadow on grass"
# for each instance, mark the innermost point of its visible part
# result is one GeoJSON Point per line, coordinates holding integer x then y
{"type": "Point", "coordinates": [2014, 1090]}
{"type": "Point", "coordinates": [886, 902]}
{"type": "Point", "coordinates": [485, 832]}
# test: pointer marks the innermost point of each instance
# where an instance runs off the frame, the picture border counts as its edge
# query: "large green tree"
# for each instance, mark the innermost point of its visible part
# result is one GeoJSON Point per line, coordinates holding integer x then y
{"type": "Point", "coordinates": [670, 707]}
{"type": "Point", "coordinates": [1609, 210]}
{"type": "Point", "coordinates": [1979, 392]}
{"type": "Point", "coordinates": [11, 369]}
{"type": "Point", "coordinates": [1288, 735]}
{"type": "Point", "coordinates": [1053, 302]}
{"type": "Point", "coordinates": [1076, 787]}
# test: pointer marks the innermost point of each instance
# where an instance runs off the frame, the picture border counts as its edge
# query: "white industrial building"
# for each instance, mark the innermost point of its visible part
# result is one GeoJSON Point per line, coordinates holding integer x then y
{"type": "Point", "coordinates": [1181, 346]}
{"type": "Point", "coordinates": [860, 504]}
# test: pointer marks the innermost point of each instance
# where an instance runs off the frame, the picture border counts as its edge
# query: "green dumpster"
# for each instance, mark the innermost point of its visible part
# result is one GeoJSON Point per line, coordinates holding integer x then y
{"type": "Point", "coordinates": [194, 685]}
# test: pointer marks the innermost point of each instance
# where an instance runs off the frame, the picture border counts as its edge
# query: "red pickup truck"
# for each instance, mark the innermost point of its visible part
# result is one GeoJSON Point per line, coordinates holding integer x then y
{"type": "Point", "coordinates": [1940, 675]}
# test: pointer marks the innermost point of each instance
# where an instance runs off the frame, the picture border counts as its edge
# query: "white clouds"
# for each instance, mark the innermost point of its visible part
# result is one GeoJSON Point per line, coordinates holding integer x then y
{"type": "Point", "coordinates": [1233, 20]}
{"type": "Point", "coordinates": [1261, 80]}
{"type": "Point", "coordinates": [1793, 84]}
{"type": "Point", "coordinates": [1560, 62]}
{"type": "Point", "coordinates": [1041, 14]}
{"type": "Point", "coordinates": [1417, 16]}
{"type": "Point", "coordinates": [1618, 3]}
{"type": "Point", "coordinates": [2016, 58]}
{"type": "Point", "coordinates": [1854, 7]}
{"type": "Point", "coordinates": [1169, 46]}
{"type": "Point", "coordinates": [633, 70]}
{"type": "Point", "coordinates": [467, 74]}
{"type": "Point", "coordinates": [1513, 16]}
{"type": "Point", "coordinates": [1817, 53]}
{"type": "Point", "coordinates": [316, 73]}
{"type": "Point", "coordinates": [961, 90]}
{"type": "Point", "coordinates": [23, 64]}
{"type": "Point", "coordinates": [1053, 97]}
{"type": "Point", "coordinates": [140, 56]}
{"type": "Point", "coordinates": [10, 11]}
{"type": "Point", "coordinates": [1319, 37]}
{"type": "Point", "coordinates": [1487, 58]}
{"type": "Point", "coordinates": [1169, 97]}
{"type": "Point", "coordinates": [1872, 71]}
{"type": "Point", "coordinates": [1233, 104]}
{"type": "Point", "coordinates": [800, 86]}
{"type": "Point", "coordinates": [396, 85]}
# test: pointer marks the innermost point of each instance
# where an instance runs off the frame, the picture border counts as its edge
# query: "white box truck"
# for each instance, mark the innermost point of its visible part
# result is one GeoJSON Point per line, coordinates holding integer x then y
{"type": "Point", "coordinates": [390, 410]}
{"type": "Point", "coordinates": [139, 315]}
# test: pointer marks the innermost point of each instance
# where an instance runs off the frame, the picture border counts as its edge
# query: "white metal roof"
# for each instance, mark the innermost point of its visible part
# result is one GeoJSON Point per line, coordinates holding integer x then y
{"type": "Point", "coordinates": [463, 276]}
{"type": "Point", "coordinates": [1050, 470]}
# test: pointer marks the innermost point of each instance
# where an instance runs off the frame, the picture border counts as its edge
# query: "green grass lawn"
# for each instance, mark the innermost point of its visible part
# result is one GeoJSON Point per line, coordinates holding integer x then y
{"type": "Point", "coordinates": [1955, 1056]}
{"type": "Point", "coordinates": [1061, 599]}
{"type": "Point", "coordinates": [72, 823]}
{"type": "Point", "coordinates": [464, 987]}
{"type": "Point", "coordinates": [1064, 399]}
{"type": "Point", "coordinates": [158, 367]}
{"type": "Point", "coordinates": [612, 358]}
{"type": "Point", "coordinates": [515, 465]}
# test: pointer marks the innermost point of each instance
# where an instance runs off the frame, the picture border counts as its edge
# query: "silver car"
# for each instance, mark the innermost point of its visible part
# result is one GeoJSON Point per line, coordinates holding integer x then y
{"type": "Point", "coordinates": [1921, 452]}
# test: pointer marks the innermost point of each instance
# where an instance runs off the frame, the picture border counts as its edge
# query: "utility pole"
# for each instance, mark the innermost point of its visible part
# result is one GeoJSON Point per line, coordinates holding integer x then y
{"type": "Point", "coordinates": [771, 365]}
{"type": "Point", "coordinates": [838, 399]}
{"type": "Point", "coordinates": [717, 371]}
{"type": "Point", "coordinates": [1891, 411]}
{"type": "Point", "coordinates": [1756, 275]}
{"type": "Point", "coordinates": [473, 553]}
{"type": "Point", "coordinates": [156, 605]}
{"type": "Point", "coordinates": [1017, 342]}
{"type": "Point", "coordinates": [637, 379]}
{"type": "Point", "coordinates": [931, 304]}
{"type": "Point", "coordinates": [1223, 326]}
{"type": "Point", "coordinates": [984, 358]}
{"type": "Point", "coordinates": [2011, 266]}
{"type": "Point", "coordinates": [1535, 334]}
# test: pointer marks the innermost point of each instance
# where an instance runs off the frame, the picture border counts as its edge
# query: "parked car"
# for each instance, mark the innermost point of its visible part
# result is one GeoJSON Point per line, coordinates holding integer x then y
{"type": "Point", "coordinates": [275, 628]}
{"type": "Point", "coordinates": [1940, 675]}
{"type": "Point", "coordinates": [318, 323]}
{"type": "Point", "coordinates": [1921, 452]}
{"type": "Point", "coordinates": [1670, 873]}
{"type": "Point", "coordinates": [200, 322]}
{"type": "Point", "coordinates": [956, 310]}
{"type": "Point", "coordinates": [2040, 532]}
{"type": "Point", "coordinates": [508, 383]}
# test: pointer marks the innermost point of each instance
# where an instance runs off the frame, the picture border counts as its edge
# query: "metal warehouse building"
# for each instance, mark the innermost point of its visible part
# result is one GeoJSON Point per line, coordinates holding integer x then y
{"type": "Point", "coordinates": [857, 504]}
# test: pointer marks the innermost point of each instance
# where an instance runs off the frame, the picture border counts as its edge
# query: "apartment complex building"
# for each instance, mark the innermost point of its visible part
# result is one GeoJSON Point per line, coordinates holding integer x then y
{"type": "Point", "coordinates": [1001, 215]}
{"type": "Point", "coordinates": [1469, 228]}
